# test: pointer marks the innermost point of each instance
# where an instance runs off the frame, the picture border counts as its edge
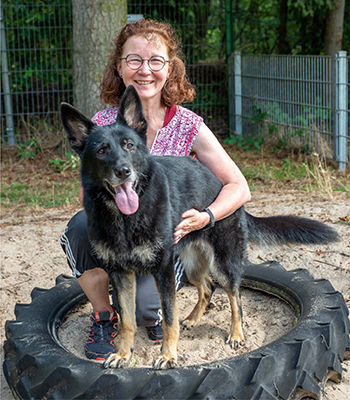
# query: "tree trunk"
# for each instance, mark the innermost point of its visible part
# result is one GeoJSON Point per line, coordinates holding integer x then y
{"type": "Point", "coordinates": [95, 23]}
{"type": "Point", "coordinates": [282, 29]}
{"type": "Point", "coordinates": [334, 28]}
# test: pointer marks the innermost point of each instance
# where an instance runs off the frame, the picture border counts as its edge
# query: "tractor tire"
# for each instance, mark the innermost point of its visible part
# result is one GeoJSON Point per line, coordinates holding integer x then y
{"type": "Point", "coordinates": [295, 366]}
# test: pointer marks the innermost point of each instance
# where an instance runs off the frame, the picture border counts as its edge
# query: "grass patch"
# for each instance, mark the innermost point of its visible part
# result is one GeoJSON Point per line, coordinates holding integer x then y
{"type": "Point", "coordinates": [24, 194]}
{"type": "Point", "coordinates": [49, 181]}
{"type": "Point", "coordinates": [308, 173]}
{"type": "Point", "coordinates": [285, 170]}
{"type": "Point", "coordinates": [36, 182]}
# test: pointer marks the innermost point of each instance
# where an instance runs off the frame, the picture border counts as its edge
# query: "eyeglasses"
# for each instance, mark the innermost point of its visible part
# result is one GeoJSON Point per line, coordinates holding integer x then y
{"type": "Point", "coordinates": [155, 63]}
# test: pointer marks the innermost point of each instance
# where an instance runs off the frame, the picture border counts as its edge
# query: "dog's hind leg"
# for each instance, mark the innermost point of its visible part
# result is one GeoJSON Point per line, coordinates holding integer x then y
{"type": "Point", "coordinates": [236, 336]}
{"type": "Point", "coordinates": [166, 288]}
{"type": "Point", "coordinates": [205, 291]}
{"type": "Point", "coordinates": [196, 259]}
{"type": "Point", "coordinates": [124, 286]}
{"type": "Point", "coordinates": [228, 274]}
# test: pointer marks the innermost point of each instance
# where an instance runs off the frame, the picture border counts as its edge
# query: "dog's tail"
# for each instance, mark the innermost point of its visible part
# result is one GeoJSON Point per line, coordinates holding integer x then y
{"type": "Point", "coordinates": [288, 229]}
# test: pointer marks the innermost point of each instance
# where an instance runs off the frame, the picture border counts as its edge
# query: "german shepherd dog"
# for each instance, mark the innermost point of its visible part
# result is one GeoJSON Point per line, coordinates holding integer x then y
{"type": "Point", "coordinates": [134, 201]}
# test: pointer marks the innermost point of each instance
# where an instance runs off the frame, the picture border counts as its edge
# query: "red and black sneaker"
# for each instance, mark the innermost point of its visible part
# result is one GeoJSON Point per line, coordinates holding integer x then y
{"type": "Point", "coordinates": [155, 333]}
{"type": "Point", "coordinates": [104, 328]}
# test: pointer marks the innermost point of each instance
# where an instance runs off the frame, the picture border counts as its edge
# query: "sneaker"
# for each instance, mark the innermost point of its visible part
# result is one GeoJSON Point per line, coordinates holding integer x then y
{"type": "Point", "coordinates": [104, 328]}
{"type": "Point", "coordinates": [155, 333]}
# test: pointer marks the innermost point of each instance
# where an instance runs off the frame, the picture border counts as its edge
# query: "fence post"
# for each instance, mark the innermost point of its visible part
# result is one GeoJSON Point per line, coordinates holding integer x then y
{"type": "Point", "coordinates": [231, 93]}
{"type": "Point", "coordinates": [341, 114]}
{"type": "Point", "coordinates": [6, 85]}
{"type": "Point", "coordinates": [238, 93]}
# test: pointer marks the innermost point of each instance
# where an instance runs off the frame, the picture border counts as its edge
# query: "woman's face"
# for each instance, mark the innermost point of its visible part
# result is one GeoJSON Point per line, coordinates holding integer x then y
{"type": "Point", "coordinates": [148, 83]}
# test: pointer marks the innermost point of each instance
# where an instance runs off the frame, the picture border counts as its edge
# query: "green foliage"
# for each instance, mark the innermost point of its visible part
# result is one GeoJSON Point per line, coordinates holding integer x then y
{"type": "Point", "coordinates": [38, 53]}
{"type": "Point", "coordinates": [72, 161]}
{"type": "Point", "coordinates": [249, 143]}
{"type": "Point", "coordinates": [258, 29]}
{"type": "Point", "coordinates": [259, 116]}
{"type": "Point", "coordinates": [346, 31]}
{"type": "Point", "coordinates": [292, 170]}
{"type": "Point", "coordinates": [344, 189]}
{"type": "Point", "coordinates": [214, 42]}
{"type": "Point", "coordinates": [29, 149]}
{"type": "Point", "coordinates": [270, 118]}
{"type": "Point", "coordinates": [208, 95]}
{"type": "Point", "coordinates": [310, 7]}
{"type": "Point", "coordinates": [199, 24]}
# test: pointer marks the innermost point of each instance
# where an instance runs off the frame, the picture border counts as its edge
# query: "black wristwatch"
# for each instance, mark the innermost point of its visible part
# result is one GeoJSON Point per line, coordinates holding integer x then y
{"type": "Point", "coordinates": [212, 219]}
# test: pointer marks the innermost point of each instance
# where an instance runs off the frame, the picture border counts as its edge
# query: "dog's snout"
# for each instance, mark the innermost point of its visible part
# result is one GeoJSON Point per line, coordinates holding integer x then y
{"type": "Point", "coordinates": [122, 172]}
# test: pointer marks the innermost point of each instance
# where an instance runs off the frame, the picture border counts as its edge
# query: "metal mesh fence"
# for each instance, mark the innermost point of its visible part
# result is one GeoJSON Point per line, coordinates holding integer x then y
{"type": "Point", "coordinates": [300, 100]}
{"type": "Point", "coordinates": [200, 26]}
{"type": "Point", "coordinates": [294, 96]}
{"type": "Point", "coordinates": [291, 97]}
{"type": "Point", "coordinates": [37, 64]}
{"type": "Point", "coordinates": [37, 75]}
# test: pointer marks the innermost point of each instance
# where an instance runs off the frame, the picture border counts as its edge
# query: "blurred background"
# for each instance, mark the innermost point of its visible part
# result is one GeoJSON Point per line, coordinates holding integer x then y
{"type": "Point", "coordinates": [264, 70]}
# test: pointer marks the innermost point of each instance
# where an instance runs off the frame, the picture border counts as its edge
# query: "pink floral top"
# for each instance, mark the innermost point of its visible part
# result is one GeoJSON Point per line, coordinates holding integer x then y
{"type": "Point", "coordinates": [174, 139]}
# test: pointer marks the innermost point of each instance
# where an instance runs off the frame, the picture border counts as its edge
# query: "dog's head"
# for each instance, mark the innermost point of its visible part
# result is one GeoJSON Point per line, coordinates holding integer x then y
{"type": "Point", "coordinates": [113, 156]}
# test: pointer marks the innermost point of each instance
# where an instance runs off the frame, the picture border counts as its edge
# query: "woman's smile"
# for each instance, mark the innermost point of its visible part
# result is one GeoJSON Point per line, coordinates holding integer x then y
{"type": "Point", "coordinates": [147, 82]}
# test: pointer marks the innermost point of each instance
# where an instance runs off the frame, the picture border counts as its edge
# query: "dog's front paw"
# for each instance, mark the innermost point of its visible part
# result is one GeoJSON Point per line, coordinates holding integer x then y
{"type": "Point", "coordinates": [117, 361]}
{"type": "Point", "coordinates": [164, 362]}
{"type": "Point", "coordinates": [235, 342]}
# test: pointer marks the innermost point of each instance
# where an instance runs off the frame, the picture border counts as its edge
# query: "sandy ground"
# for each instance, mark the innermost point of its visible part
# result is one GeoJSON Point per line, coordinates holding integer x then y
{"type": "Point", "coordinates": [31, 257]}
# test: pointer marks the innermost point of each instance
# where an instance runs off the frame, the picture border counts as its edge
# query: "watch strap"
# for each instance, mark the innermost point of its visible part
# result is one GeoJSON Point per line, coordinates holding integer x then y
{"type": "Point", "coordinates": [212, 219]}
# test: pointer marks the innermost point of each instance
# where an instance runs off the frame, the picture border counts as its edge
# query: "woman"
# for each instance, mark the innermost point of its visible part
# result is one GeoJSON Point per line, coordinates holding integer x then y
{"type": "Point", "coordinates": [147, 55]}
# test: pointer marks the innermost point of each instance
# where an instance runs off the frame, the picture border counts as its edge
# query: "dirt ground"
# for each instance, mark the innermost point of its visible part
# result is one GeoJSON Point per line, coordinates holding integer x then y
{"type": "Point", "coordinates": [31, 257]}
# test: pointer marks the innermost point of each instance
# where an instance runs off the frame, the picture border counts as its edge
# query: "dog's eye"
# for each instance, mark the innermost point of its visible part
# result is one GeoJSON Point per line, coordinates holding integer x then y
{"type": "Point", "coordinates": [103, 149]}
{"type": "Point", "coordinates": [128, 145]}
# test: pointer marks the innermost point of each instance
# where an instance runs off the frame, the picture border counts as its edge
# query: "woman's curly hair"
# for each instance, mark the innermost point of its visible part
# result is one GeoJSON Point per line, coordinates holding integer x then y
{"type": "Point", "coordinates": [177, 88]}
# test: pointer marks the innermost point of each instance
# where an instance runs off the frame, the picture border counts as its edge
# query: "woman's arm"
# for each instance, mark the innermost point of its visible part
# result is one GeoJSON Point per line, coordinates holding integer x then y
{"type": "Point", "coordinates": [234, 193]}
{"type": "Point", "coordinates": [81, 195]}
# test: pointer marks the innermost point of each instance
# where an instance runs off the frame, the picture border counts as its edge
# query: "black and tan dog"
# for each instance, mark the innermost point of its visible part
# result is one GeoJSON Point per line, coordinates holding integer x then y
{"type": "Point", "coordinates": [133, 203]}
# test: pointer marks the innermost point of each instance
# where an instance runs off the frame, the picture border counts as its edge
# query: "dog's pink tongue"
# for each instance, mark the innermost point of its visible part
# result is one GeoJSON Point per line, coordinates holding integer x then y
{"type": "Point", "coordinates": [126, 198]}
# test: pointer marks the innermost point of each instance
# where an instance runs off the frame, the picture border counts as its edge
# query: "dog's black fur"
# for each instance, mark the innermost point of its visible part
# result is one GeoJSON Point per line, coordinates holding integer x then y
{"type": "Point", "coordinates": [139, 239]}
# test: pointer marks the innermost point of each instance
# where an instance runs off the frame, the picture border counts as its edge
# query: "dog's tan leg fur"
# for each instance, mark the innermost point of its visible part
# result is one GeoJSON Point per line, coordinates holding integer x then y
{"type": "Point", "coordinates": [168, 357]}
{"type": "Point", "coordinates": [204, 296]}
{"type": "Point", "coordinates": [236, 337]}
{"type": "Point", "coordinates": [197, 258]}
{"type": "Point", "coordinates": [126, 302]}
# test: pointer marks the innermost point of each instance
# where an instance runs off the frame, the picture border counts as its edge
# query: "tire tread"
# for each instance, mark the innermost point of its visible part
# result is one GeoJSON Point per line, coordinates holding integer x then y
{"type": "Point", "coordinates": [37, 366]}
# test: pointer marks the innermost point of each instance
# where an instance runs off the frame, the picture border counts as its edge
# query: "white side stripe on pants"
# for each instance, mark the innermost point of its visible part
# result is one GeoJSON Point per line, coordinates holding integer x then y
{"type": "Point", "coordinates": [70, 258]}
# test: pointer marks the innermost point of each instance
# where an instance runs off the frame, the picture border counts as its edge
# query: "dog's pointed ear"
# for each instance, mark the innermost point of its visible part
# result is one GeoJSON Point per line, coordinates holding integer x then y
{"type": "Point", "coordinates": [130, 111]}
{"type": "Point", "coordinates": [77, 127]}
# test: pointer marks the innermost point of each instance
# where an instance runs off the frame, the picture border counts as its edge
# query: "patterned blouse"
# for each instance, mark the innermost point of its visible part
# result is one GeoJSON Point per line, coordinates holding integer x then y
{"type": "Point", "coordinates": [174, 139]}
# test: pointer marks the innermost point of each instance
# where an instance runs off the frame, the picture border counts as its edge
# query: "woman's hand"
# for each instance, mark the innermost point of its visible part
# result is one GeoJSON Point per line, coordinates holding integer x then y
{"type": "Point", "coordinates": [192, 220]}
